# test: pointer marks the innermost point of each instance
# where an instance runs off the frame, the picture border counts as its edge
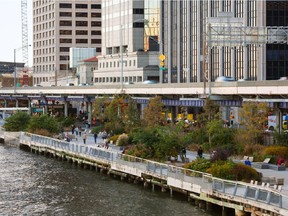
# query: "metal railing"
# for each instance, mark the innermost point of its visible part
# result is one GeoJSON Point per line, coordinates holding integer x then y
{"type": "Point", "coordinates": [253, 192]}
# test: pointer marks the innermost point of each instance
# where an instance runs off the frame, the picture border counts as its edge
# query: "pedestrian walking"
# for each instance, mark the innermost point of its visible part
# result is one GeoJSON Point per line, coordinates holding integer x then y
{"type": "Point", "coordinates": [73, 129]}
{"type": "Point", "coordinates": [200, 152]}
{"type": "Point", "coordinates": [84, 137]}
{"type": "Point", "coordinates": [95, 137]}
{"type": "Point", "coordinates": [76, 131]}
{"type": "Point", "coordinates": [80, 131]}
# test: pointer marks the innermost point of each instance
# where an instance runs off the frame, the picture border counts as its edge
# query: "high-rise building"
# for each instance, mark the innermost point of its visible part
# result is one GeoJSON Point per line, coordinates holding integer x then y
{"type": "Point", "coordinates": [58, 26]}
{"type": "Point", "coordinates": [183, 29]}
{"type": "Point", "coordinates": [130, 48]}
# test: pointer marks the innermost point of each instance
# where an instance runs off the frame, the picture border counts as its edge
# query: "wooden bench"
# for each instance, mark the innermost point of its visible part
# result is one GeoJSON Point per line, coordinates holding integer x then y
{"type": "Point", "coordinates": [261, 165]}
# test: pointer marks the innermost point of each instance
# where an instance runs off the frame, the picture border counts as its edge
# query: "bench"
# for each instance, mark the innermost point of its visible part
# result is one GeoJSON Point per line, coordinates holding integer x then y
{"type": "Point", "coordinates": [277, 167]}
{"type": "Point", "coordinates": [261, 165]}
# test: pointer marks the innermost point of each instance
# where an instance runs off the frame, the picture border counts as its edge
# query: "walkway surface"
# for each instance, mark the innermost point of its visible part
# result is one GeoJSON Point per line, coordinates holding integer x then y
{"type": "Point", "coordinates": [191, 156]}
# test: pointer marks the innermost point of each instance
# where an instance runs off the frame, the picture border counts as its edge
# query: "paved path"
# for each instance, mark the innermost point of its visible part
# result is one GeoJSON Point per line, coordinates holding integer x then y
{"type": "Point", "coordinates": [192, 156]}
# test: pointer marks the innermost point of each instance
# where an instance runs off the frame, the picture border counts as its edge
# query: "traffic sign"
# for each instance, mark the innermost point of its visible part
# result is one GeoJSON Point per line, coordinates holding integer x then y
{"type": "Point", "coordinates": [162, 57]}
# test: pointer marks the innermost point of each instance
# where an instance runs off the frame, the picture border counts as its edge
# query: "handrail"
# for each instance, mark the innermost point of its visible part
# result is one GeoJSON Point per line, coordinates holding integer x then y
{"type": "Point", "coordinates": [253, 192]}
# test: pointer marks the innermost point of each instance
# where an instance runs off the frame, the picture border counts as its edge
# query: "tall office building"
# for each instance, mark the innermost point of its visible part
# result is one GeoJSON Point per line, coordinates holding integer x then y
{"type": "Point", "coordinates": [183, 29]}
{"type": "Point", "coordinates": [59, 25]}
{"type": "Point", "coordinates": [130, 49]}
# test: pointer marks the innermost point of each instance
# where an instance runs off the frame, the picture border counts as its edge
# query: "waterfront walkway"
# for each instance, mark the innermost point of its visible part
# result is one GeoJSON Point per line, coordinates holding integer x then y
{"type": "Point", "coordinates": [266, 173]}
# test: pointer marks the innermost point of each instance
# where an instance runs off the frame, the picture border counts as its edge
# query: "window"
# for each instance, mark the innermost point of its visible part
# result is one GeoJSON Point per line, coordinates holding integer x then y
{"type": "Point", "coordinates": [96, 6]}
{"type": "Point", "coordinates": [65, 40]}
{"type": "Point", "coordinates": [81, 40]}
{"type": "Point", "coordinates": [64, 58]}
{"type": "Point", "coordinates": [63, 5]}
{"type": "Point", "coordinates": [81, 32]}
{"type": "Point", "coordinates": [81, 23]}
{"type": "Point", "coordinates": [81, 14]}
{"type": "Point", "coordinates": [95, 32]}
{"type": "Point", "coordinates": [96, 23]}
{"type": "Point", "coordinates": [95, 14]}
{"type": "Point", "coordinates": [65, 23]}
{"type": "Point", "coordinates": [65, 32]}
{"type": "Point", "coordinates": [65, 14]}
{"type": "Point", "coordinates": [138, 25]}
{"type": "Point", "coordinates": [64, 49]}
{"type": "Point", "coordinates": [98, 50]}
{"type": "Point", "coordinates": [85, 6]}
{"type": "Point", "coordinates": [96, 41]}
{"type": "Point", "coordinates": [138, 11]}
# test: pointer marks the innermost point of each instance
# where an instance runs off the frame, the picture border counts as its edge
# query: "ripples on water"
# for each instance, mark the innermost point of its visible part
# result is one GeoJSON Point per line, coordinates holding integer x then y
{"type": "Point", "coordinates": [35, 185]}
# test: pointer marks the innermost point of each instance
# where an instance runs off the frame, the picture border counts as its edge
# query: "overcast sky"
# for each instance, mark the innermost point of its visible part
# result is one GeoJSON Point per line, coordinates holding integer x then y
{"type": "Point", "coordinates": [11, 30]}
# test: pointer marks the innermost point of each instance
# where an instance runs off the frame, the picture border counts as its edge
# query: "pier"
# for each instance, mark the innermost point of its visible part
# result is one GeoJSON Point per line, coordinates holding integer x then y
{"type": "Point", "coordinates": [202, 188]}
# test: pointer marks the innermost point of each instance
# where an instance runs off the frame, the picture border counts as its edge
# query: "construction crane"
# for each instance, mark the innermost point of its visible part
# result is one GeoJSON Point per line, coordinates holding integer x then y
{"type": "Point", "coordinates": [24, 32]}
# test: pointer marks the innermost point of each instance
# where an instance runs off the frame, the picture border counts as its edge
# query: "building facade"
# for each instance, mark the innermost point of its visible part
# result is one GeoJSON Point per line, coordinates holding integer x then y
{"type": "Point", "coordinates": [58, 26]}
{"type": "Point", "coordinates": [130, 48]}
{"type": "Point", "coordinates": [183, 29]}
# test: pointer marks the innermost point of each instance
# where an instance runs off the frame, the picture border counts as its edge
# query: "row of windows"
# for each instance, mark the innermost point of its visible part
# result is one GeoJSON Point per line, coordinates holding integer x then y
{"type": "Point", "coordinates": [47, 42]}
{"type": "Point", "coordinates": [80, 6]}
{"type": "Point", "coordinates": [116, 64]}
{"type": "Point", "coordinates": [43, 35]}
{"type": "Point", "coordinates": [118, 79]}
{"type": "Point", "coordinates": [44, 17]}
{"type": "Point", "coordinates": [44, 59]}
{"type": "Point", "coordinates": [79, 23]}
{"type": "Point", "coordinates": [44, 51]}
{"type": "Point", "coordinates": [41, 68]}
{"type": "Point", "coordinates": [78, 14]}
{"type": "Point", "coordinates": [44, 26]}
{"type": "Point", "coordinates": [43, 9]}
{"type": "Point", "coordinates": [79, 40]}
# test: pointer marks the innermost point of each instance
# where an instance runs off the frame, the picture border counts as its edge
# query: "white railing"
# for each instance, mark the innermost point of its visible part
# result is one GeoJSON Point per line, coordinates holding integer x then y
{"type": "Point", "coordinates": [263, 195]}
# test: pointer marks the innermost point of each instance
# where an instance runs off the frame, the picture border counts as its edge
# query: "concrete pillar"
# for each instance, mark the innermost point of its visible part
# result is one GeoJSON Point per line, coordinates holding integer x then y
{"type": "Point", "coordinates": [89, 105]}
{"type": "Point", "coordinates": [224, 212]}
{"type": "Point", "coordinates": [239, 213]}
{"type": "Point", "coordinates": [209, 206]}
{"type": "Point", "coordinates": [171, 192]}
{"type": "Point", "coordinates": [202, 204]}
{"type": "Point", "coordinates": [29, 107]}
{"type": "Point", "coordinates": [146, 184]}
{"type": "Point", "coordinates": [17, 103]}
{"type": "Point", "coordinates": [153, 187]}
{"type": "Point", "coordinates": [65, 108]}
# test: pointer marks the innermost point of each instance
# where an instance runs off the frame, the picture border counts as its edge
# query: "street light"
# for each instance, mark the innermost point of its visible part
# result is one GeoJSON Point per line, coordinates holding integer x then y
{"type": "Point", "coordinates": [121, 49]}
{"type": "Point", "coordinates": [15, 50]}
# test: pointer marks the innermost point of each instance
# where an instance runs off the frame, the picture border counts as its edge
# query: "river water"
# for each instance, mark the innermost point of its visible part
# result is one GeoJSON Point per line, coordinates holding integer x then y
{"type": "Point", "coordinates": [32, 184]}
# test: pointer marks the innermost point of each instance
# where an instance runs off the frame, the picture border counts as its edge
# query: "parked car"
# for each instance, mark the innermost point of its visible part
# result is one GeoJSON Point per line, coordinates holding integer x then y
{"type": "Point", "coordinates": [224, 79]}
{"type": "Point", "coordinates": [84, 84]}
{"type": "Point", "coordinates": [70, 84]}
{"type": "Point", "coordinates": [38, 85]}
{"type": "Point", "coordinates": [150, 82]}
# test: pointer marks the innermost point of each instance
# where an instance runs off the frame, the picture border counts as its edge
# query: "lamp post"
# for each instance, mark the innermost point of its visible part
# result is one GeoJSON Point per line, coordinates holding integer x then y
{"type": "Point", "coordinates": [15, 71]}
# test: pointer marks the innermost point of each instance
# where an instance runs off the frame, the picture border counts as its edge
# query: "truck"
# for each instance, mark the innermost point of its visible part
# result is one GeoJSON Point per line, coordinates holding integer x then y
{"type": "Point", "coordinates": [272, 124]}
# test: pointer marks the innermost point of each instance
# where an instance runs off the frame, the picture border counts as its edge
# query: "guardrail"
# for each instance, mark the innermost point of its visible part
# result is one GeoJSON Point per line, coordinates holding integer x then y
{"type": "Point", "coordinates": [264, 195]}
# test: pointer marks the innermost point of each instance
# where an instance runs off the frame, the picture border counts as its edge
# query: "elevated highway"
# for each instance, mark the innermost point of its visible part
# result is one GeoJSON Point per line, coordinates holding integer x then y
{"type": "Point", "coordinates": [251, 89]}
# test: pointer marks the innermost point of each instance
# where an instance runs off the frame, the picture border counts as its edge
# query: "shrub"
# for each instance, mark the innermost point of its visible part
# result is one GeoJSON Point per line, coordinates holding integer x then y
{"type": "Point", "coordinates": [97, 129]}
{"type": "Point", "coordinates": [232, 171]}
{"type": "Point", "coordinates": [43, 122]}
{"type": "Point", "coordinates": [277, 151]}
{"type": "Point", "coordinates": [139, 151]}
{"type": "Point", "coordinates": [113, 138]}
{"type": "Point", "coordinates": [223, 169]}
{"type": "Point", "coordinates": [17, 122]}
{"type": "Point", "coordinates": [67, 121]}
{"type": "Point", "coordinates": [245, 173]}
{"type": "Point", "coordinates": [200, 164]}
{"type": "Point", "coordinates": [220, 154]}
{"type": "Point", "coordinates": [122, 140]}
{"type": "Point", "coordinates": [42, 132]}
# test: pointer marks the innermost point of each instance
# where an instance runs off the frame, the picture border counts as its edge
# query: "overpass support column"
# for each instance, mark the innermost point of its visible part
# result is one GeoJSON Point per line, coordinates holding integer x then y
{"type": "Point", "coordinates": [65, 108]}
{"type": "Point", "coordinates": [45, 106]}
{"type": "Point", "coordinates": [17, 103]}
{"type": "Point", "coordinates": [29, 107]}
{"type": "Point", "coordinates": [279, 118]}
{"type": "Point", "coordinates": [4, 112]}
{"type": "Point", "coordinates": [142, 107]}
{"type": "Point", "coordinates": [174, 112]}
{"type": "Point", "coordinates": [89, 106]}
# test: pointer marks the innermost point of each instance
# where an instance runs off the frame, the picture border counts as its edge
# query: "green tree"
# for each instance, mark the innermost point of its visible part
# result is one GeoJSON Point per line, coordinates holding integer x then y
{"type": "Point", "coordinates": [98, 108]}
{"type": "Point", "coordinates": [153, 112]}
{"type": "Point", "coordinates": [253, 117]}
{"type": "Point", "coordinates": [43, 122]}
{"type": "Point", "coordinates": [17, 122]}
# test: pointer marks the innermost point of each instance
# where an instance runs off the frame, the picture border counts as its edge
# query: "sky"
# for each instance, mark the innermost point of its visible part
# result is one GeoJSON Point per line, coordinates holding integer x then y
{"type": "Point", "coordinates": [11, 30]}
